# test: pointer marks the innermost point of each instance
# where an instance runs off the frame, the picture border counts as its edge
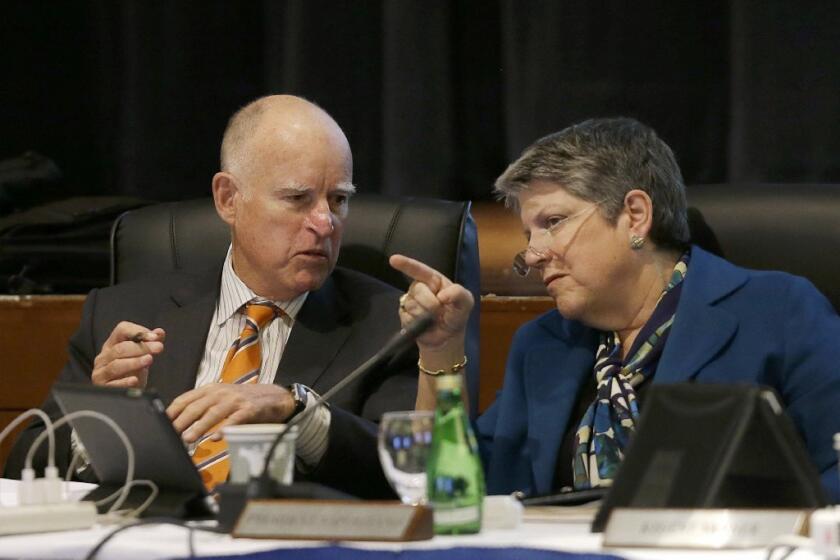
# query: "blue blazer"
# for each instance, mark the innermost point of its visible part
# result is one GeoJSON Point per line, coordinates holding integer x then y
{"type": "Point", "coordinates": [732, 325]}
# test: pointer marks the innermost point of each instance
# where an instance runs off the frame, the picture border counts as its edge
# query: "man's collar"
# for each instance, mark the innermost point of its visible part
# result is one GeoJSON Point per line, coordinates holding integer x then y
{"type": "Point", "coordinates": [234, 294]}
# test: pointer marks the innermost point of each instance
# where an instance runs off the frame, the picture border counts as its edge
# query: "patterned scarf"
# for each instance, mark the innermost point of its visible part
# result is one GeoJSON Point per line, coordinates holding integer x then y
{"type": "Point", "coordinates": [610, 420]}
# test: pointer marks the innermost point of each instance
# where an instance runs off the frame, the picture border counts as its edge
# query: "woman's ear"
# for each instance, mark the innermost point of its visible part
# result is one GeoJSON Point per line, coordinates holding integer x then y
{"type": "Point", "coordinates": [639, 209]}
{"type": "Point", "coordinates": [225, 193]}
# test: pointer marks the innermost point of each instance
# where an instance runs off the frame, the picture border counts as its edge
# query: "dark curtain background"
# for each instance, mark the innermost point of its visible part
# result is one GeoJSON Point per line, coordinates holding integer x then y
{"type": "Point", "coordinates": [436, 97]}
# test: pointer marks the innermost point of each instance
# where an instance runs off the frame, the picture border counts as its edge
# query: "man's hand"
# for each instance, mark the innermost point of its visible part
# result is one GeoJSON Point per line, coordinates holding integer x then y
{"type": "Point", "coordinates": [126, 356]}
{"type": "Point", "coordinates": [431, 291]}
{"type": "Point", "coordinates": [196, 412]}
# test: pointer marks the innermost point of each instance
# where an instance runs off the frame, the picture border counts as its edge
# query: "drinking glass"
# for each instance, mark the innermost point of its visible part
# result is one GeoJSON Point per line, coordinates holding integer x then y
{"type": "Point", "coordinates": [404, 441]}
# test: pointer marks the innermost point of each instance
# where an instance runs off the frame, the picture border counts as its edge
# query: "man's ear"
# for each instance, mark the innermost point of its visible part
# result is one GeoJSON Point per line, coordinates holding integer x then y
{"type": "Point", "coordinates": [225, 195]}
{"type": "Point", "coordinates": [639, 209]}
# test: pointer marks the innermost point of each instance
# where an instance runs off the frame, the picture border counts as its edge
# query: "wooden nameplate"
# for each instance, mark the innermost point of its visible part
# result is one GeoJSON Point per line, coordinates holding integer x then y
{"type": "Point", "coordinates": [334, 520]}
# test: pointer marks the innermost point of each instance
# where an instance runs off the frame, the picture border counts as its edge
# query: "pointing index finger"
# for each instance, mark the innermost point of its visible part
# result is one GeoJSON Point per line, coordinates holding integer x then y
{"type": "Point", "coordinates": [418, 271]}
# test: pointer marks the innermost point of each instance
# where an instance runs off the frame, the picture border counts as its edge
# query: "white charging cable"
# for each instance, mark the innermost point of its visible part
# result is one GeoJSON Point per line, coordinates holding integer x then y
{"type": "Point", "coordinates": [47, 490]}
{"type": "Point", "coordinates": [129, 471]}
{"type": "Point", "coordinates": [153, 489]}
{"type": "Point", "coordinates": [71, 468]}
{"type": "Point", "coordinates": [153, 493]}
{"type": "Point", "coordinates": [49, 431]}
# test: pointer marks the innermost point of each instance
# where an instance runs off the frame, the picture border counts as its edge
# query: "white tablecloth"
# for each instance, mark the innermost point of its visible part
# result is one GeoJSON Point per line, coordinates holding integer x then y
{"type": "Point", "coordinates": [166, 541]}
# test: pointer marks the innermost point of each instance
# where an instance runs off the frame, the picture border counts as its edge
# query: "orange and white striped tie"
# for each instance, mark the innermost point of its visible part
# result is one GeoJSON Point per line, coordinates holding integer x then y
{"type": "Point", "coordinates": [242, 365]}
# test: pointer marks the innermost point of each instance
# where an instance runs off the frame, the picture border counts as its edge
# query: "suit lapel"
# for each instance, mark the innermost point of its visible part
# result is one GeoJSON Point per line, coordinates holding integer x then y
{"type": "Point", "coordinates": [700, 330]}
{"type": "Point", "coordinates": [319, 332]}
{"type": "Point", "coordinates": [554, 373]}
{"type": "Point", "coordinates": [186, 324]}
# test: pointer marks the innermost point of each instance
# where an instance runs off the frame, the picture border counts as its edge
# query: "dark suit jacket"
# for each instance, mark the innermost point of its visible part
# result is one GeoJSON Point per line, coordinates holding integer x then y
{"type": "Point", "coordinates": [339, 326]}
{"type": "Point", "coordinates": [732, 325]}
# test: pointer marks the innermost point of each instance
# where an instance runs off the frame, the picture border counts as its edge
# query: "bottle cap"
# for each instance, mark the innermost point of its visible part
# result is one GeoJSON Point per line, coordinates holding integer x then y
{"type": "Point", "coordinates": [448, 382]}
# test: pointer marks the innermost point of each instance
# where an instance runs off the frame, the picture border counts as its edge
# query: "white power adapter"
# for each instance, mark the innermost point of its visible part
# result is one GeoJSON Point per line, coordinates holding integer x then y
{"type": "Point", "coordinates": [38, 491]}
{"type": "Point", "coordinates": [17, 520]}
{"type": "Point", "coordinates": [41, 501]}
{"type": "Point", "coordinates": [825, 532]}
{"type": "Point", "coordinates": [825, 525]}
{"type": "Point", "coordinates": [42, 507]}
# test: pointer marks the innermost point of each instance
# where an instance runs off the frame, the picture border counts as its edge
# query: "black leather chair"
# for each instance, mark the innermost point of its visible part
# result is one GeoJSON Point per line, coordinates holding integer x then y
{"type": "Point", "coordinates": [190, 236]}
{"type": "Point", "coordinates": [789, 227]}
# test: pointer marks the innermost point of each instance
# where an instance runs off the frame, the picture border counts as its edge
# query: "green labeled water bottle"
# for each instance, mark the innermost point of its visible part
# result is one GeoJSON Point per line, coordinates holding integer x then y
{"type": "Point", "coordinates": [455, 479]}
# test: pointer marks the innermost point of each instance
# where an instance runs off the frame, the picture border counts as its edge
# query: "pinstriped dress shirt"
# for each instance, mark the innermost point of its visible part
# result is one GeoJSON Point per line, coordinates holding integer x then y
{"type": "Point", "coordinates": [226, 326]}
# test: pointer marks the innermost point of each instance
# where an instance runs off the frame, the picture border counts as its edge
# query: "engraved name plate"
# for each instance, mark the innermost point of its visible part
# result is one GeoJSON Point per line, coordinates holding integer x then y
{"type": "Point", "coordinates": [334, 520]}
{"type": "Point", "coordinates": [701, 528]}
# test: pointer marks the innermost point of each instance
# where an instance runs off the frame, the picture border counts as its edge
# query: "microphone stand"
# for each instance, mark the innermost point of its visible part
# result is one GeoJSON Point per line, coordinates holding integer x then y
{"type": "Point", "coordinates": [264, 486]}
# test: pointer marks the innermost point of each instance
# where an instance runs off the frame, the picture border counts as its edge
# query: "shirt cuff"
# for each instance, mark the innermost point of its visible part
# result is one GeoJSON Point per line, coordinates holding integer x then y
{"type": "Point", "coordinates": [313, 433]}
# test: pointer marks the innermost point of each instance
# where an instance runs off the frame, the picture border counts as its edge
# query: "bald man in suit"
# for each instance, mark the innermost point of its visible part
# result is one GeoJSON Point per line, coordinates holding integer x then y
{"type": "Point", "coordinates": [284, 189]}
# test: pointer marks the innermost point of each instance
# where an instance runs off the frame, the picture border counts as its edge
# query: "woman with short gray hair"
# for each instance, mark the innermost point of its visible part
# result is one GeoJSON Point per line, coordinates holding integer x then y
{"type": "Point", "coordinates": [603, 208]}
{"type": "Point", "coordinates": [602, 159]}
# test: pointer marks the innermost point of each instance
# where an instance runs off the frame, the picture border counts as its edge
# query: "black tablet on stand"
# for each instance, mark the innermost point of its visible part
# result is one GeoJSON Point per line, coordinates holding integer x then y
{"type": "Point", "coordinates": [159, 453]}
{"type": "Point", "coordinates": [714, 446]}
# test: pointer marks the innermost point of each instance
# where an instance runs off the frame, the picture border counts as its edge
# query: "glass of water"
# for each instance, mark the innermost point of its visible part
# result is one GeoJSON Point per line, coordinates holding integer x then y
{"type": "Point", "coordinates": [404, 441]}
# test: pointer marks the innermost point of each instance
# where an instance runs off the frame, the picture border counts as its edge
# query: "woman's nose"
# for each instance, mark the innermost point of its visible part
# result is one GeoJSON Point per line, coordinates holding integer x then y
{"type": "Point", "coordinates": [535, 258]}
{"type": "Point", "coordinates": [538, 252]}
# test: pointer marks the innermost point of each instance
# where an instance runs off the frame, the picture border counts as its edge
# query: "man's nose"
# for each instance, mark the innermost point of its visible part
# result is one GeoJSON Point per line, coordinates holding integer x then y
{"type": "Point", "coordinates": [320, 220]}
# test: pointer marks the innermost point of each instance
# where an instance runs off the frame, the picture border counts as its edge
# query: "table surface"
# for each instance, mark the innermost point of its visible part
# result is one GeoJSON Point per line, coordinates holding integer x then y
{"type": "Point", "coordinates": [569, 533]}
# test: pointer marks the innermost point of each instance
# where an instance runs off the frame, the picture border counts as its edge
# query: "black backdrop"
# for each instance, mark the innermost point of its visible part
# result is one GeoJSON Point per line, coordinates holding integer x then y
{"type": "Point", "coordinates": [435, 96]}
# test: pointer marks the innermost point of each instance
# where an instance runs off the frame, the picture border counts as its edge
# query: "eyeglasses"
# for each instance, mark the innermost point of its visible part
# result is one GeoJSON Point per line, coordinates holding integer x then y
{"type": "Point", "coordinates": [545, 236]}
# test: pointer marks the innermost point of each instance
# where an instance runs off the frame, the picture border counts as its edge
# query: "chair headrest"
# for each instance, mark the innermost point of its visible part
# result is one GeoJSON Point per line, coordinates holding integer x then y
{"type": "Point", "coordinates": [789, 227]}
{"type": "Point", "coordinates": [189, 235]}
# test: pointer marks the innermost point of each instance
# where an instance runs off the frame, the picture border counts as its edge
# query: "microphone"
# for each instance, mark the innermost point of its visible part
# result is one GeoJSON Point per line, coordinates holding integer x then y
{"type": "Point", "coordinates": [264, 486]}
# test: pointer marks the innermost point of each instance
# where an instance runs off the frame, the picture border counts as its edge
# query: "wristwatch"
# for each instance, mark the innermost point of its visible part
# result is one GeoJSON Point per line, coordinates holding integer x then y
{"type": "Point", "coordinates": [300, 396]}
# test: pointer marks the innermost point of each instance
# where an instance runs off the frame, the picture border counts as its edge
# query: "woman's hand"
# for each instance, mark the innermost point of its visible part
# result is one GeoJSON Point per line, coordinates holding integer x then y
{"type": "Point", "coordinates": [433, 292]}
{"type": "Point", "coordinates": [442, 346]}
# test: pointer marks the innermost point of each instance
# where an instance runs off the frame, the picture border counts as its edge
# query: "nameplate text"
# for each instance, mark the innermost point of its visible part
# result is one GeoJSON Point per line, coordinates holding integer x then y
{"type": "Point", "coordinates": [701, 528]}
{"type": "Point", "coordinates": [334, 520]}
